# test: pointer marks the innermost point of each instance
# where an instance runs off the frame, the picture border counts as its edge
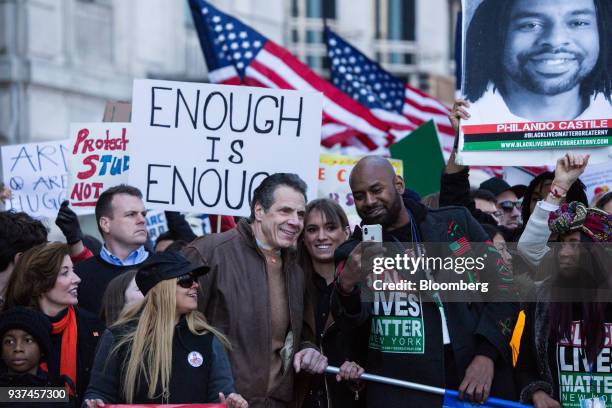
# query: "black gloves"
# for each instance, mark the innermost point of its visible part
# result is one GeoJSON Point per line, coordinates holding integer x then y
{"type": "Point", "coordinates": [68, 222]}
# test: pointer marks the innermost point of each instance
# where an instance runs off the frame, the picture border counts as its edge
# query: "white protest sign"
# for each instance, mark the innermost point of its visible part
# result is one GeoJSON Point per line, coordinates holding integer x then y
{"type": "Point", "coordinates": [156, 225]}
{"type": "Point", "coordinates": [98, 159]}
{"type": "Point", "coordinates": [333, 176]}
{"type": "Point", "coordinates": [36, 173]}
{"type": "Point", "coordinates": [205, 148]}
{"type": "Point", "coordinates": [598, 180]}
{"type": "Point", "coordinates": [528, 107]}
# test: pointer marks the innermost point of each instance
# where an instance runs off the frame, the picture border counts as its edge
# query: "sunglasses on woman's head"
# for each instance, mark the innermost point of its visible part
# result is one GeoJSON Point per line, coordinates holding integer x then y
{"type": "Point", "coordinates": [186, 281]}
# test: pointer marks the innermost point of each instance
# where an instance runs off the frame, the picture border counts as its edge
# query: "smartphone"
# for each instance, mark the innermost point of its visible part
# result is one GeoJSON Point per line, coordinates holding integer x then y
{"type": "Point", "coordinates": [372, 233]}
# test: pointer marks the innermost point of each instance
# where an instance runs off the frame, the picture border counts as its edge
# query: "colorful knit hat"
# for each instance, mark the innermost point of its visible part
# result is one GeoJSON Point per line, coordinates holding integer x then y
{"type": "Point", "coordinates": [575, 216]}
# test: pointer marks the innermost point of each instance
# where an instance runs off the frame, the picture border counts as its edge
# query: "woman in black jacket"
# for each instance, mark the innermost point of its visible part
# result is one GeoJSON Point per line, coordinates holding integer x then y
{"type": "Point", "coordinates": [566, 345]}
{"type": "Point", "coordinates": [44, 279]}
{"type": "Point", "coordinates": [325, 228]}
{"type": "Point", "coordinates": [162, 350]}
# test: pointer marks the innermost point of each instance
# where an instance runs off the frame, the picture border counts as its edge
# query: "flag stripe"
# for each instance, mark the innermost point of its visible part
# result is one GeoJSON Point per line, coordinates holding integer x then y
{"type": "Point", "coordinates": [349, 113]}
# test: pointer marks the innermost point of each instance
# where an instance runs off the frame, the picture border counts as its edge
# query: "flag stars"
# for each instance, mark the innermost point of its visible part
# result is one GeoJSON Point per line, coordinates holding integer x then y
{"type": "Point", "coordinates": [242, 34]}
{"type": "Point", "coordinates": [204, 10]}
{"type": "Point", "coordinates": [218, 28]}
{"type": "Point", "coordinates": [234, 46]}
{"type": "Point", "coordinates": [256, 43]}
{"type": "Point", "coordinates": [216, 19]}
{"type": "Point", "coordinates": [246, 44]}
{"type": "Point", "coordinates": [231, 36]}
{"type": "Point", "coordinates": [229, 26]}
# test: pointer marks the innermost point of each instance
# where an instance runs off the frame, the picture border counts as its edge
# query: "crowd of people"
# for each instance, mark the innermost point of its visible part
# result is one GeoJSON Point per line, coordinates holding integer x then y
{"type": "Point", "coordinates": [254, 315]}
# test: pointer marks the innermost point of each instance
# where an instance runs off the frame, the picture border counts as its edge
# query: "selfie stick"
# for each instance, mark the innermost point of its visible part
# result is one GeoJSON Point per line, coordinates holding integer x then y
{"type": "Point", "coordinates": [491, 402]}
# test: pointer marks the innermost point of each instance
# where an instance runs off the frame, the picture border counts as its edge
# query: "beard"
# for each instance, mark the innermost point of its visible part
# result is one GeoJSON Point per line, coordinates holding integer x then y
{"type": "Point", "coordinates": [386, 216]}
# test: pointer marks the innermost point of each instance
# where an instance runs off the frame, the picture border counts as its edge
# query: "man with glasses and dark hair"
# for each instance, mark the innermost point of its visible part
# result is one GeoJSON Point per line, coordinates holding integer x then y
{"type": "Point", "coordinates": [507, 198]}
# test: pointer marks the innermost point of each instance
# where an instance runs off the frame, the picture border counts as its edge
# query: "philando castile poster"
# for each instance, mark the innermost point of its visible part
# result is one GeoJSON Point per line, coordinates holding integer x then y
{"type": "Point", "coordinates": [534, 76]}
{"type": "Point", "coordinates": [205, 148]}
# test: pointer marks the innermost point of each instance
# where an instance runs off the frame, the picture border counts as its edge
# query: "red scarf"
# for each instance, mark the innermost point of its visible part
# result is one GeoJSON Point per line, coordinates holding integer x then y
{"type": "Point", "coordinates": [68, 353]}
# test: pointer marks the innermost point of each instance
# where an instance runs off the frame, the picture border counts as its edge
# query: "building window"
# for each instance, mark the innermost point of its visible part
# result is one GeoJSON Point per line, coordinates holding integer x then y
{"type": "Point", "coordinates": [395, 43]}
{"type": "Point", "coordinates": [306, 31]}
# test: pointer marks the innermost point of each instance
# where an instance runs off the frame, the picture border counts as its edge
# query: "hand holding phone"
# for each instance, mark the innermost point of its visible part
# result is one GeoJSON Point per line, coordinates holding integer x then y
{"type": "Point", "coordinates": [372, 233]}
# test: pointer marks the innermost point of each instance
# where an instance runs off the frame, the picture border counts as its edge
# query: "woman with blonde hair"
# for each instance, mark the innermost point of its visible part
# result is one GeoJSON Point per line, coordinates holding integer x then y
{"type": "Point", "coordinates": [162, 350]}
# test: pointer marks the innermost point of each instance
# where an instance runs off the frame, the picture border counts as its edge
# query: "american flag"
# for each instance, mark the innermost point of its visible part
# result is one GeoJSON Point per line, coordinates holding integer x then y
{"type": "Point", "coordinates": [237, 54]}
{"type": "Point", "coordinates": [389, 98]}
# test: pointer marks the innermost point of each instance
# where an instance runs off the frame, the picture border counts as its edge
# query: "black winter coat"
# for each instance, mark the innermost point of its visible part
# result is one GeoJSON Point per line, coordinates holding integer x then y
{"type": "Point", "coordinates": [89, 331]}
{"type": "Point", "coordinates": [200, 370]}
{"type": "Point", "coordinates": [475, 328]}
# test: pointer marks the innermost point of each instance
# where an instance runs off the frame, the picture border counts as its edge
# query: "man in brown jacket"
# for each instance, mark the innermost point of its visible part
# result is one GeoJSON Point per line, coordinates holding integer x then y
{"type": "Point", "coordinates": [254, 293]}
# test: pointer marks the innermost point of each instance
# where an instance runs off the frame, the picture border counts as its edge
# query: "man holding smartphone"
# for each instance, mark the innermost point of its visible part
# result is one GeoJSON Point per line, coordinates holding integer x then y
{"type": "Point", "coordinates": [422, 337]}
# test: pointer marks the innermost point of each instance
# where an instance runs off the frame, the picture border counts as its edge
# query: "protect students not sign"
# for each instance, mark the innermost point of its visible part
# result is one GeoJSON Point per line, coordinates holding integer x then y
{"type": "Point", "coordinates": [203, 147]}
{"type": "Point", "coordinates": [99, 159]}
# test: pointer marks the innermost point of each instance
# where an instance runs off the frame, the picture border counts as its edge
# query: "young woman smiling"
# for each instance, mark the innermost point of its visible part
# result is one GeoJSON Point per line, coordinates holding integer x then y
{"type": "Point", "coordinates": [162, 350]}
{"type": "Point", "coordinates": [325, 228]}
{"type": "Point", "coordinates": [44, 279]}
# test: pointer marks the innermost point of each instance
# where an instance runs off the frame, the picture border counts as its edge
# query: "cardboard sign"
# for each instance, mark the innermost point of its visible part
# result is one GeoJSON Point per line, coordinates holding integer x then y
{"type": "Point", "coordinates": [334, 171]}
{"type": "Point", "coordinates": [205, 148]}
{"type": "Point", "coordinates": [36, 173]}
{"type": "Point", "coordinates": [527, 106]}
{"type": "Point", "coordinates": [598, 180]}
{"type": "Point", "coordinates": [156, 225]}
{"type": "Point", "coordinates": [99, 159]}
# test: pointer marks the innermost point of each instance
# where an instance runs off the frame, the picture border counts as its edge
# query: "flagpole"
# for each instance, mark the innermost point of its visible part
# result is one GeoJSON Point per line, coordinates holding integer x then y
{"type": "Point", "coordinates": [495, 402]}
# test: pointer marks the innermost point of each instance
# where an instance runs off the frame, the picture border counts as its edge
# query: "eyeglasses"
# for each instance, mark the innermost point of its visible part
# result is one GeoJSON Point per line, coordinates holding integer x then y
{"type": "Point", "coordinates": [508, 205]}
{"type": "Point", "coordinates": [186, 281]}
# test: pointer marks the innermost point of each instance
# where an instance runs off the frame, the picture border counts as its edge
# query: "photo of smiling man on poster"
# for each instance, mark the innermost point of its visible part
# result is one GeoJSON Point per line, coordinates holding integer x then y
{"type": "Point", "coordinates": [538, 61]}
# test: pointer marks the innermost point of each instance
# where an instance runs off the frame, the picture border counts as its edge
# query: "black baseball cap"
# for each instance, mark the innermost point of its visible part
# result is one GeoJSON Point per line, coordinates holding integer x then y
{"type": "Point", "coordinates": [164, 266]}
{"type": "Point", "coordinates": [498, 186]}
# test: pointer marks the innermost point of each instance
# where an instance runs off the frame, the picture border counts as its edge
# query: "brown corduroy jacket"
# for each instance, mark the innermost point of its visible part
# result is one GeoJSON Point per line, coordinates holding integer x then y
{"type": "Point", "coordinates": [234, 299]}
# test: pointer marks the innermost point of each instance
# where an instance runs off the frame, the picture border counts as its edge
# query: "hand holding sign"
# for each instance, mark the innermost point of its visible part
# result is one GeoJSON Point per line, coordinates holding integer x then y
{"type": "Point", "coordinates": [569, 168]}
{"type": "Point", "coordinates": [68, 222]}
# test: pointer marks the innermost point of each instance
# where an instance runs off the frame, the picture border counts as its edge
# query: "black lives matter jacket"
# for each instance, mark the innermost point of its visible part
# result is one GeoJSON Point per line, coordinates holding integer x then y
{"type": "Point", "coordinates": [474, 327]}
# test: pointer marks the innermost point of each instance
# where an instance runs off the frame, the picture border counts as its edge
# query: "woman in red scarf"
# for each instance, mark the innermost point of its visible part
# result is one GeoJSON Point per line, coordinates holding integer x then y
{"type": "Point", "coordinates": [44, 279]}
